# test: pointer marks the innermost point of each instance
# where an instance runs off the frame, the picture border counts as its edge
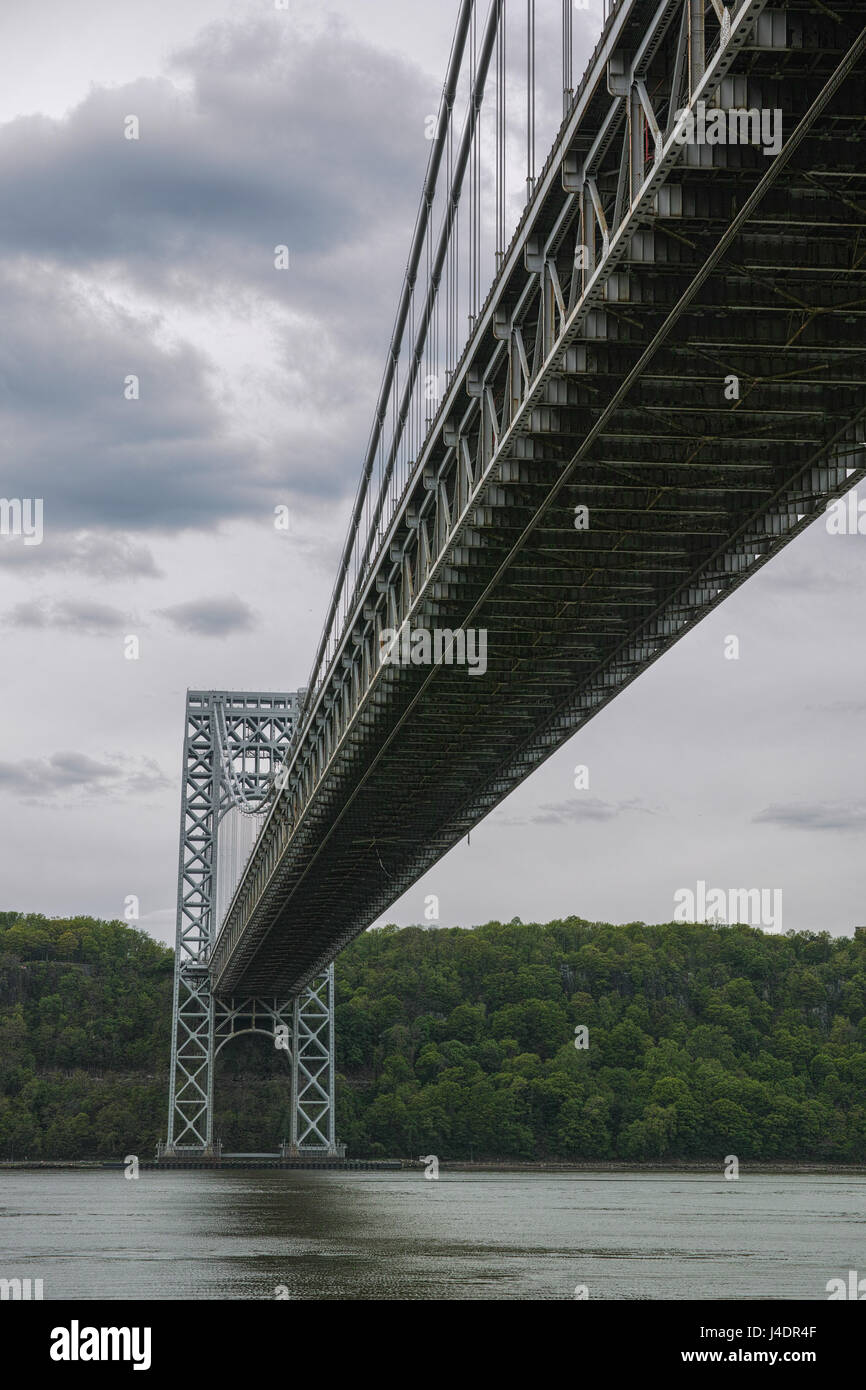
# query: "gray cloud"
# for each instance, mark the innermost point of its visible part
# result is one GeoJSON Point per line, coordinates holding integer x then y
{"type": "Point", "coordinates": [82, 616]}
{"type": "Point", "coordinates": [856, 707]}
{"type": "Point", "coordinates": [257, 154]}
{"type": "Point", "coordinates": [249, 150]}
{"type": "Point", "coordinates": [96, 458]}
{"type": "Point", "coordinates": [97, 555]}
{"type": "Point", "coordinates": [69, 772]}
{"type": "Point", "coordinates": [809, 579]}
{"type": "Point", "coordinates": [145, 776]}
{"type": "Point", "coordinates": [578, 808]}
{"type": "Point", "coordinates": [820, 815]}
{"type": "Point", "coordinates": [211, 617]}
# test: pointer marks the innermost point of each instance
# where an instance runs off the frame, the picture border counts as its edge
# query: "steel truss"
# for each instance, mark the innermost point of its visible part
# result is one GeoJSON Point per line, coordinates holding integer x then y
{"type": "Point", "coordinates": [234, 747]}
{"type": "Point", "coordinates": [644, 274]}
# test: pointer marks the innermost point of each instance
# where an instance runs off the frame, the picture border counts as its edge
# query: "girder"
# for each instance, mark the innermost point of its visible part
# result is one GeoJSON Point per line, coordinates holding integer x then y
{"type": "Point", "coordinates": [645, 277]}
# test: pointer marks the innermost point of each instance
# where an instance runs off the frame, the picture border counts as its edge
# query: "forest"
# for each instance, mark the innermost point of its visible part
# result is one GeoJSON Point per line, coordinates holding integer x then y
{"type": "Point", "coordinates": [569, 1040]}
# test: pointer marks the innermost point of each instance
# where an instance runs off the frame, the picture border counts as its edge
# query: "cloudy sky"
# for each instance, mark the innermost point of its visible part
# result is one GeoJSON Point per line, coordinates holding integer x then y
{"type": "Point", "coordinates": [153, 258]}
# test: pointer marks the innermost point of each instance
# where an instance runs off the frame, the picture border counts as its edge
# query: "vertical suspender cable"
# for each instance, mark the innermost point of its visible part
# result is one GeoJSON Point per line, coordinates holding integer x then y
{"type": "Point", "coordinates": [485, 56]}
{"type": "Point", "coordinates": [455, 310]}
{"type": "Point", "coordinates": [479, 117]}
{"type": "Point", "coordinates": [567, 57]}
{"type": "Point", "coordinates": [449, 274]}
{"type": "Point", "coordinates": [530, 98]}
{"type": "Point", "coordinates": [474, 186]}
{"type": "Point", "coordinates": [446, 105]}
{"type": "Point", "coordinates": [500, 138]}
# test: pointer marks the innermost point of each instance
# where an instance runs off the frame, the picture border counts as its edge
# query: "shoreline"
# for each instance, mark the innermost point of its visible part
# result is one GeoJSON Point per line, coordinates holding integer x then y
{"type": "Point", "coordinates": [755, 1166]}
{"type": "Point", "coordinates": [779, 1165]}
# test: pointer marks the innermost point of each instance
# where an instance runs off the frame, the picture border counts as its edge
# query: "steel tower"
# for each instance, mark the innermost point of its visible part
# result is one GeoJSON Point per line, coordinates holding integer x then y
{"type": "Point", "coordinates": [234, 746]}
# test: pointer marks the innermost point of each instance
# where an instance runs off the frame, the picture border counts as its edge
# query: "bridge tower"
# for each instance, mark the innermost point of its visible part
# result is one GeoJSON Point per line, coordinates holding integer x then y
{"type": "Point", "coordinates": [234, 743]}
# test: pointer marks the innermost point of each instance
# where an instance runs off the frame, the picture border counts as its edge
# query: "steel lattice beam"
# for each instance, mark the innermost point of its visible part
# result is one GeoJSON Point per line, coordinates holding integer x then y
{"type": "Point", "coordinates": [645, 273]}
{"type": "Point", "coordinates": [234, 744]}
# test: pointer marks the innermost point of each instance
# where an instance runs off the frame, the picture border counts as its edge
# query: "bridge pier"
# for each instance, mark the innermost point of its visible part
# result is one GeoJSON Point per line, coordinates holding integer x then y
{"type": "Point", "coordinates": [234, 743]}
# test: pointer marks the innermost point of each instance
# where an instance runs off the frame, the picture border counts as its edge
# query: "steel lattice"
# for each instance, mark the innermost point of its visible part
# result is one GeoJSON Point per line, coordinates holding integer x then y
{"type": "Point", "coordinates": [234, 745]}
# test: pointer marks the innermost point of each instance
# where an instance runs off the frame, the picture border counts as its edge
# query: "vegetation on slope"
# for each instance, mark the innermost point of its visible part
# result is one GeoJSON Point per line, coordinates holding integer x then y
{"type": "Point", "coordinates": [703, 1041]}
{"type": "Point", "coordinates": [84, 1037]}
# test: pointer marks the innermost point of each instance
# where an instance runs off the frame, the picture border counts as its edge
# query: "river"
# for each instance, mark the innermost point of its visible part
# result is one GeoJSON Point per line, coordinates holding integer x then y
{"type": "Point", "coordinates": [395, 1235]}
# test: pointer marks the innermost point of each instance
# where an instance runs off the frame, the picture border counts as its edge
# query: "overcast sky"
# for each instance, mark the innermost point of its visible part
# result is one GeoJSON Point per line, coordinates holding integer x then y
{"type": "Point", "coordinates": [154, 258]}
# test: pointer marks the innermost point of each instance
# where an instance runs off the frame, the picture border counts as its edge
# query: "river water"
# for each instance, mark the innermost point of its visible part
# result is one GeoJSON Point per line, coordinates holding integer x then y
{"type": "Point", "coordinates": [381, 1235]}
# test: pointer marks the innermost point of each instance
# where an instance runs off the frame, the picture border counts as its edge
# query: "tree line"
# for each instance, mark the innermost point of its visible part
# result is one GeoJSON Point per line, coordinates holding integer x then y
{"type": "Point", "coordinates": [565, 1040]}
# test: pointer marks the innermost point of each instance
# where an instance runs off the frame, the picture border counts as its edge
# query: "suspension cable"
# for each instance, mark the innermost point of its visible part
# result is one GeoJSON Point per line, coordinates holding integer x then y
{"type": "Point", "coordinates": [418, 240]}
{"type": "Point", "coordinates": [530, 98]}
{"type": "Point", "coordinates": [500, 138]}
{"type": "Point", "coordinates": [496, 11]}
{"type": "Point", "coordinates": [567, 57]}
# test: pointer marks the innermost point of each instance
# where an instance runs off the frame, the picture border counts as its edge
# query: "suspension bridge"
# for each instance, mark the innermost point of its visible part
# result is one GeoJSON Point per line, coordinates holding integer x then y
{"type": "Point", "coordinates": [620, 380]}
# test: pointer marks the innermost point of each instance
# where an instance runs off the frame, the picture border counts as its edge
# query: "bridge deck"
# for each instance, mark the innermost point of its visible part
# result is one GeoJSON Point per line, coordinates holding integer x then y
{"type": "Point", "coordinates": [600, 386]}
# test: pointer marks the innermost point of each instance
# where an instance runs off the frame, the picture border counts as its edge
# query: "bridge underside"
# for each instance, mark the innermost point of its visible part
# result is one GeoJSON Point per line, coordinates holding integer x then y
{"type": "Point", "coordinates": [737, 265]}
